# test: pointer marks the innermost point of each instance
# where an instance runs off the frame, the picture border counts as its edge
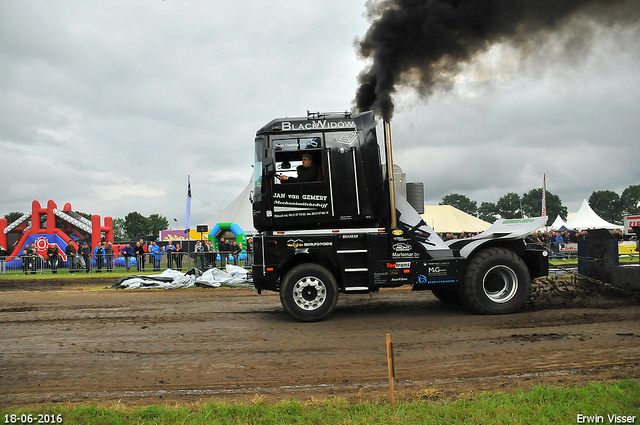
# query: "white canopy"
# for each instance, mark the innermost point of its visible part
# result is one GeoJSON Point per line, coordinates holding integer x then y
{"type": "Point", "coordinates": [586, 218]}
{"type": "Point", "coordinates": [558, 223]}
{"type": "Point", "coordinates": [239, 211]}
{"type": "Point", "coordinates": [445, 218]}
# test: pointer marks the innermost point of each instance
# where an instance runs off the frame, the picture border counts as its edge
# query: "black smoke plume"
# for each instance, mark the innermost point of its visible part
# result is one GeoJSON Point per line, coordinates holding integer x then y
{"type": "Point", "coordinates": [423, 43]}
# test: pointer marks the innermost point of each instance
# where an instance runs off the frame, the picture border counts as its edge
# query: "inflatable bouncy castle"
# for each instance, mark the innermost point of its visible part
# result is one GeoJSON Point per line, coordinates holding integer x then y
{"type": "Point", "coordinates": [44, 226]}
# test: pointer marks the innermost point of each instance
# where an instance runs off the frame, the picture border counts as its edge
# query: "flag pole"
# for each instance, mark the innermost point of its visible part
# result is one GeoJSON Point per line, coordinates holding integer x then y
{"type": "Point", "coordinates": [544, 209]}
{"type": "Point", "coordinates": [187, 221]}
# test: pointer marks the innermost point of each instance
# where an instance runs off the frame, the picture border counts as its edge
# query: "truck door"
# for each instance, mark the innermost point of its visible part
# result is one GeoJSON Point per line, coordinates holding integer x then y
{"type": "Point", "coordinates": [343, 167]}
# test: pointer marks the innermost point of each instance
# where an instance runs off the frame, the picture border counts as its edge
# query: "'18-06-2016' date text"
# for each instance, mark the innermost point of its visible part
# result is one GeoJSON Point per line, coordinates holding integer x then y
{"type": "Point", "coordinates": [30, 418]}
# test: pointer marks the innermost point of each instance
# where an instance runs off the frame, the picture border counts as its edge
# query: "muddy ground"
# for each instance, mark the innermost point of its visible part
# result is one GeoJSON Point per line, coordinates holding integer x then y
{"type": "Point", "coordinates": [82, 342]}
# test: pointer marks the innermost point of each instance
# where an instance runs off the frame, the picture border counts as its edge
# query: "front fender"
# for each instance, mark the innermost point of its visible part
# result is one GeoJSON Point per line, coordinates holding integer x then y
{"type": "Point", "coordinates": [498, 234]}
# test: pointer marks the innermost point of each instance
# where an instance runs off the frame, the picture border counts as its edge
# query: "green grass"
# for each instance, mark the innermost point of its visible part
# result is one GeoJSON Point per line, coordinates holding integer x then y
{"type": "Point", "coordinates": [65, 275]}
{"type": "Point", "coordinates": [541, 405]}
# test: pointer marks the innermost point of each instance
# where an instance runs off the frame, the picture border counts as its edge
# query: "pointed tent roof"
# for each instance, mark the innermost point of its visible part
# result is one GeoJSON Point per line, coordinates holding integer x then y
{"type": "Point", "coordinates": [445, 218]}
{"type": "Point", "coordinates": [239, 211]}
{"type": "Point", "coordinates": [558, 223]}
{"type": "Point", "coordinates": [586, 218]}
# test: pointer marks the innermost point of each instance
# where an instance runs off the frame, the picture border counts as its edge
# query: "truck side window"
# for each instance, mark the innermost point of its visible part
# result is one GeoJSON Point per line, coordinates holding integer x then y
{"type": "Point", "coordinates": [298, 167]}
{"type": "Point", "coordinates": [298, 159]}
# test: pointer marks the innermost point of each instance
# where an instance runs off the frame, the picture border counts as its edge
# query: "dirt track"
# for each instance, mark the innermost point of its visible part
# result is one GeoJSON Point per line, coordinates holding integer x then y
{"type": "Point", "coordinates": [61, 344]}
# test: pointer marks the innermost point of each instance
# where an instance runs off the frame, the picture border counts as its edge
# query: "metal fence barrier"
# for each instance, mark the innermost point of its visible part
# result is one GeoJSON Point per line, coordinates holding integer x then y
{"type": "Point", "coordinates": [26, 264]}
{"type": "Point", "coordinates": [36, 264]}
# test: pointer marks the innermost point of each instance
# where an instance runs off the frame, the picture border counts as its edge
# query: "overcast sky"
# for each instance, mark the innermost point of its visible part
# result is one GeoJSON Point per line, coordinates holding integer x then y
{"type": "Point", "coordinates": [110, 105]}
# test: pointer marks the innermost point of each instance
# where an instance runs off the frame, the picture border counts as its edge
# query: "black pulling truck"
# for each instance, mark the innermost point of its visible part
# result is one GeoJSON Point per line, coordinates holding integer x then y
{"type": "Point", "coordinates": [330, 221]}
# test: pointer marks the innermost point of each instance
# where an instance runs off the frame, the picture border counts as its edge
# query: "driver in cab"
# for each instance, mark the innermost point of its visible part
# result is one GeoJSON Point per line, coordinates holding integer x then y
{"type": "Point", "coordinates": [307, 172]}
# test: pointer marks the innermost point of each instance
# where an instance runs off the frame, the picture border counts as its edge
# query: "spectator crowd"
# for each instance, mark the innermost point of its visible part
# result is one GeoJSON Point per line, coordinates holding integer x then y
{"type": "Point", "coordinates": [107, 256]}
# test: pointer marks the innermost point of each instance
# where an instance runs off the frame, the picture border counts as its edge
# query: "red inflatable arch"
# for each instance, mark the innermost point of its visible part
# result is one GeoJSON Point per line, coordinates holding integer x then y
{"type": "Point", "coordinates": [54, 225]}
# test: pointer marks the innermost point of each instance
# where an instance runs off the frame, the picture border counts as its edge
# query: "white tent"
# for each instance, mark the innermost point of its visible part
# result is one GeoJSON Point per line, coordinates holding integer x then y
{"type": "Point", "coordinates": [586, 218]}
{"type": "Point", "coordinates": [239, 211]}
{"type": "Point", "coordinates": [558, 223]}
{"type": "Point", "coordinates": [445, 218]}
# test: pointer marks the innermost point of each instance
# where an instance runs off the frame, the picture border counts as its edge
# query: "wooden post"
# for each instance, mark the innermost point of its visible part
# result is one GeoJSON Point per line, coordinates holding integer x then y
{"type": "Point", "coordinates": [391, 370]}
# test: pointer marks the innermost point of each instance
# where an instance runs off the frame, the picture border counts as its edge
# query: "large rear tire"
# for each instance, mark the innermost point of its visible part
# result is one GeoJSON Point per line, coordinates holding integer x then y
{"type": "Point", "coordinates": [496, 281]}
{"type": "Point", "coordinates": [309, 292]}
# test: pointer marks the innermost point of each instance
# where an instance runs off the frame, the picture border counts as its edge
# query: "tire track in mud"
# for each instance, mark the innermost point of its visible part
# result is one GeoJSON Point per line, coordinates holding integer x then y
{"type": "Point", "coordinates": [410, 388]}
{"type": "Point", "coordinates": [188, 345]}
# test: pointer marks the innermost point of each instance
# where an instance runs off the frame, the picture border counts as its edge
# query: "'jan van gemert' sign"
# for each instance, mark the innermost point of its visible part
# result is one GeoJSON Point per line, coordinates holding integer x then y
{"type": "Point", "coordinates": [293, 205]}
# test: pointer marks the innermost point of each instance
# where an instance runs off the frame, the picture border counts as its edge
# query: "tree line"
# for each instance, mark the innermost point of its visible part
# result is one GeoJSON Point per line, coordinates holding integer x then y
{"type": "Point", "coordinates": [609, 205]}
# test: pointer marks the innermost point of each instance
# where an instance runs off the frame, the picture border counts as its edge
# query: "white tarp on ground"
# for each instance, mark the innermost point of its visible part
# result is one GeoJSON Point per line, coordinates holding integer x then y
{"type": "Point", "coordinates": [586, 218]}
{"type": "Point", "coordinates": [171, 279]}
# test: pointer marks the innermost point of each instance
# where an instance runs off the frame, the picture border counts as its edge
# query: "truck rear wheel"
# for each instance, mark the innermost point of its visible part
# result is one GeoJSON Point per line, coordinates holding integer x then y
{"type": "Point", "coordinates": [496, 281]}
{"type": "Point", "coordinates": [309, 292]}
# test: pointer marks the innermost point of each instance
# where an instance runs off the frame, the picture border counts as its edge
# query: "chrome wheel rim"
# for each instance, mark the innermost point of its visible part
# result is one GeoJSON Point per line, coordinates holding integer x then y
{"type": "Point", "coordinates": [309, 293]}
{"type": "Point", "coordinates": [500, 284]}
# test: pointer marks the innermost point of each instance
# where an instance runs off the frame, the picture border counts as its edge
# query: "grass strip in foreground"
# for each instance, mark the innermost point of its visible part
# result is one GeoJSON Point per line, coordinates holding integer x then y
{"type": "Point", "coordinates": [541, 405]}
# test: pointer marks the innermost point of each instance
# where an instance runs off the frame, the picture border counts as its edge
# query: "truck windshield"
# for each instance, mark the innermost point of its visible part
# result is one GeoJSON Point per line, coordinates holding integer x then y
{"type": "Point", "coordinates": [257, 168]}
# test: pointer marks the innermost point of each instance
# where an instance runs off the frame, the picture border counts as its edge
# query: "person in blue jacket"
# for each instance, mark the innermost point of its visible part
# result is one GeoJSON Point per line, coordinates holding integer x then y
{"type": "Point", "coordinates": [98, 255]}
{"type": "Point", "coordinates": [169, 250]}
{"type": "Point", "coordinates": [156, 253]}
{"type": "Point", "coordinates": [127, 252]}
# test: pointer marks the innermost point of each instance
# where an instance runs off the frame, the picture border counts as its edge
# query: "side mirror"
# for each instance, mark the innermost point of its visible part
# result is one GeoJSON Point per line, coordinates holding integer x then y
{"type": "Point", "coordinates": [269, 167]}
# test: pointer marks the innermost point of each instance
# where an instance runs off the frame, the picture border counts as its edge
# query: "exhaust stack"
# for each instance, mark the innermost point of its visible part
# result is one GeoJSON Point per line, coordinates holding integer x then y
{"type": "Point", "coordinates": [392, 189]}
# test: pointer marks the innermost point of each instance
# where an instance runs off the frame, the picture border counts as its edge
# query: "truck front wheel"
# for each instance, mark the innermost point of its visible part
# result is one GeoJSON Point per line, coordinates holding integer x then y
{"type": "Point", "coordinates": [309, 292]}
{"type": "Point", "coordinates": [496, 281]}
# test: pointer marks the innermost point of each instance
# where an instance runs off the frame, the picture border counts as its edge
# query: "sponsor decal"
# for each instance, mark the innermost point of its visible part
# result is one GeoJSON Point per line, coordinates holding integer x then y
{"type": "Point", "coordinates": [380, 278]}
{"type": "Point", "coordinates": [318, 244]}
{"type": "Point", "coordinates": [437, 271]}
{"type": "Point", "coordinates": [422, 279]}
{"type": "Point", "coordinates": [405, 255]}
{"type": "Point", "coordinates": [401, 247]}
{"type": "Point", "coordinates": [441, 280]}
{"type": "Point", "coordinates": [397, 232]}
{"type": "Point", "coordinates": [399, 265]}
{"type": "Point", "coordinates": [399, 279]}
{"type": "Point", "coordinates": [296, 144]}
{"type": "Point", "coordinates": [317, 125]}
{"type": "Point", "coordinates": [297, 243]}
{"type": "Point", "coordinates": [568, 247]}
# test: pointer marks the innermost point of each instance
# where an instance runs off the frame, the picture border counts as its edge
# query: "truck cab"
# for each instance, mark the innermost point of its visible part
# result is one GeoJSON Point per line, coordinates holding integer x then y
{"type": "Point", "coordinates": [346, 188]}
{"type": "Point", "coordinates": [327, 225]}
